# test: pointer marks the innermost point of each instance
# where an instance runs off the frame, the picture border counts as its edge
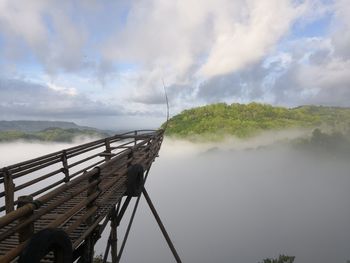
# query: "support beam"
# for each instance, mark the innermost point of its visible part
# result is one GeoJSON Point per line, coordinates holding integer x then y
{"type": "Point", "coordinates": [161, 226]}
{"type": "Point", "coordinates": [113, 238]}
{"type": "Point", "coordinates": [128, 229]}
{"type": "Point", "coordinates": [132, 217]}
{"type": "Point", "coordinates": [115, 219]}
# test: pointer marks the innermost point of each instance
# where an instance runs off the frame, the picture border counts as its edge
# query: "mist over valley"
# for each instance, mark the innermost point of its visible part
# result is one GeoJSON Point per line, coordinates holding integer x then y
{"type": "Point", "coordinates": [241, 202]}
{"type": "Point", "coordinates": [241, 107]}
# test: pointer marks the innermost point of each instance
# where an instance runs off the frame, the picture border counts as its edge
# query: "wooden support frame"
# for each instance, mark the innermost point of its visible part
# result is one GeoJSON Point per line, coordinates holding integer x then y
{"type": "Point", "coordinates": [52, 206]}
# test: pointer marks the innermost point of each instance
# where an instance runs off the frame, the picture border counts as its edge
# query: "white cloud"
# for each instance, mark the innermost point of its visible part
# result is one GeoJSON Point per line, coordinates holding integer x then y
{"type": "Point", "coordinates": [187, 42]}
{"type": "Point", "coordinates": [324, 75]}
{"type": "Point", "coordinates": [206, 50]}
{"type": "Point", "coordinates": [215, 37]}
{"type": "Point", "coordinates": [220, 46]}
{"type": "Point", "coordinates": [63, 90]}
{"type": "Point", "coordinates": [238, 44]}
{"type": "Point", "coordinates": [26, 98]}
{"type": "Point", "coordinates": [46, 29]}
{"type": "Point", "coordinates": [341, 29]}
{"type": "Point", "coordinates": [316, 75]}
{"type": "Point", "coordinates": [23, 20]}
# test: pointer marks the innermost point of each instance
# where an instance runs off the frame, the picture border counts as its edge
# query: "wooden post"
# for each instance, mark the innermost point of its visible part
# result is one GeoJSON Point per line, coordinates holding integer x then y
{"type": "Point", "coordinates": [65, 168]}
{"type": "Point", "coordinates": [108, 149]}
{"type": "Point", "coordinates": [94, 188]}
{"type": "Point", "coordinates": [148, 150]}
{"type": "Point", "coordinates": [25, 232]}
{"type": "Point", "coordinates": [89, 242]}
{"type": "Point", "coordinates": [9, 191]}
{"type": "Point", "coordinates": [113, 237]}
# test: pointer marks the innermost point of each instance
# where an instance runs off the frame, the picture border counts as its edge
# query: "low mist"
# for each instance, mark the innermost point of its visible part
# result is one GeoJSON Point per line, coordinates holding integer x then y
{"type": "Point", "coordinates": [14, 152]}
{"type": "Point", "coordinates": [234, 202]}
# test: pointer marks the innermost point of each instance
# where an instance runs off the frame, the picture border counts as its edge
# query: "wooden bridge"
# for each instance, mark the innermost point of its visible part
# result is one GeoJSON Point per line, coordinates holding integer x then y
{"type": "Point", "coordinates": [55, 207]}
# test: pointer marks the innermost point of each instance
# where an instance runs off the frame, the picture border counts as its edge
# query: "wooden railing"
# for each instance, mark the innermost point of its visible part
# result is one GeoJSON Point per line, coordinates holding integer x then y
{"type": "Point", "coordinates": [52, 170]}
{"type": "Point", "coordinates": [77, 190]}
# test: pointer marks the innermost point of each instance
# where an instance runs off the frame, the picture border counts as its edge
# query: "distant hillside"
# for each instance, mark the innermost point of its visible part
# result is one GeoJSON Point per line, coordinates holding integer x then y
{"type": "Point", "coordinates": [213, 122]}
{"type": "Point", "coordinates": [34, 126]}
{"type": "Point", "coordinates": [50, 131]}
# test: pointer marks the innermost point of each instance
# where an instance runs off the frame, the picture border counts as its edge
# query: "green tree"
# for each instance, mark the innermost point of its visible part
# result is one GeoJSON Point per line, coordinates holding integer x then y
{"type": "Point", "coordinates": [280, 259]}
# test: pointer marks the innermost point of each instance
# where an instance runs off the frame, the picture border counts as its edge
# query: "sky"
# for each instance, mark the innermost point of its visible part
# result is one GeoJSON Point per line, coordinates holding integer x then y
{"type": "Point", "coordinates": [102, 63]}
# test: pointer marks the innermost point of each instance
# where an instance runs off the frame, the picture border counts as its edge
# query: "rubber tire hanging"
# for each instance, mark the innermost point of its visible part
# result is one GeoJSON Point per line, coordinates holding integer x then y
{"type": "Point", "coordinates": [45, 241]}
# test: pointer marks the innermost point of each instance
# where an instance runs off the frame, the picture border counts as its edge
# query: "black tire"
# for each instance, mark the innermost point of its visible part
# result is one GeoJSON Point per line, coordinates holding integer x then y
{"type": "Point", "coordinates": [45, 241]}
{"type": "Point", "coordinates": [134, 180]}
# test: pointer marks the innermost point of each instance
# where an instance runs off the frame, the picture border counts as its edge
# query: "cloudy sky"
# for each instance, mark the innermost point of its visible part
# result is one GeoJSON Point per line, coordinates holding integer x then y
{"type": "Point", "coordinates": [102, 62]}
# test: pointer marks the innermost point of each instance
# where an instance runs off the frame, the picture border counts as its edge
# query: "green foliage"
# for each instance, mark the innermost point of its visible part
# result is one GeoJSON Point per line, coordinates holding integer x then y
{"type": "Point", "coordinates": [50, 135]}
{"type": "Point", "coordinates": [280, 259]}
{"type": "Point", "coordinates": [11, 135]}
{"type": "Point", "coordinates": [335, 143]}
{"type": "Point", "coordinates": [213, 122]}
{"type": "Point", "coordinates": [35, 126]}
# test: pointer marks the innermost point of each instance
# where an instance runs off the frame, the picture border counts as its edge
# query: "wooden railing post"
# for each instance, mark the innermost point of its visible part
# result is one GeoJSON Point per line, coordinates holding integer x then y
{"type": "Point", "coordinates": [25, 232]}
{"type": "Point", "coordinates": [94, 188]}
{"type": "Point", "coordinates": [135, 134]}
{"type": "Point", "coordinates": [108, 149]}
{"type": "Point", "coordinates": [9, 188]}
{"type": "Point", "coordinates": [65, 168]}
{"type": "Point", "coordinates": [130, 159]}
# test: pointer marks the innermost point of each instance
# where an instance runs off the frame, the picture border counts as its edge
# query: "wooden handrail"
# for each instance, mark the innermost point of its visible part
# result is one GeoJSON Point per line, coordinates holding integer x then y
{"type": "Point", "coordinates": [58, 165]}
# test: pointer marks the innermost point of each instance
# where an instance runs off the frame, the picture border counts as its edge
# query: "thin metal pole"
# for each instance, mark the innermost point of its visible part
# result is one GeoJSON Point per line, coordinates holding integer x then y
{"type": "Point", "coordinates": [128, 229]}
{"type": "Point", "coordinates": [106, 252]}
{"type": "Point", "coordinates": [131, 220]}
{"type": "Point", "coordinates": [122, 210]}
{"type": "Point", "coordinates": [161, 226]}
{"type": "Point", "coordinates": [112, 239]}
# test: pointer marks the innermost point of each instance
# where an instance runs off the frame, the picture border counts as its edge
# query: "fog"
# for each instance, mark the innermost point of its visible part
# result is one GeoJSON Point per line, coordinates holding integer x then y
{"type": "Point", "coordinates": [19, 151]}
{"type": "Point", "coordinates": [234, 205]}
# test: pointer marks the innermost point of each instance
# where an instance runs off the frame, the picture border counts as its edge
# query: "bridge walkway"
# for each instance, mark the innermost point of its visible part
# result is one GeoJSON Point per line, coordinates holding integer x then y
{"type": "Point", "coordinates": [78, 201]}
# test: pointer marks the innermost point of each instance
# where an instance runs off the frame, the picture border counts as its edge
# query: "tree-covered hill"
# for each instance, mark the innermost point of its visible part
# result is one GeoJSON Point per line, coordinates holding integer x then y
{"type": "Point", "coordinates": [50, 135]}
{"type": "Point", "coordinates": [35, 126]}
{"type": "Point", "coordinates": [50, 131]}
{"type": "Point", "coordinates": [213, 122]}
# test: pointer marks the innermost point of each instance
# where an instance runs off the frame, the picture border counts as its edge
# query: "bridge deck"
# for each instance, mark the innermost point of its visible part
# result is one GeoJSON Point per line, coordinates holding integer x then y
{"type": "Point", "coordinates": [77, 200]}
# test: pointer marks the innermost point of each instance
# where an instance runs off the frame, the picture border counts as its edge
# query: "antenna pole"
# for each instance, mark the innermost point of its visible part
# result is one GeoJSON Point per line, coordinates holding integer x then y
{"type": "Point", "coordinates": [167, 105]}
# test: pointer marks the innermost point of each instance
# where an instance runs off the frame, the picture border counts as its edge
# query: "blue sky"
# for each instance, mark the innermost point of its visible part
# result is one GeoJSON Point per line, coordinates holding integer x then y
{"type": "Point", "coordinates": [101, 63]}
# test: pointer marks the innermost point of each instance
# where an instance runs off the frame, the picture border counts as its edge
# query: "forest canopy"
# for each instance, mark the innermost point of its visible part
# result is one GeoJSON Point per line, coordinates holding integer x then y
{"type": "Point", "coordinates": [215, 121]}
